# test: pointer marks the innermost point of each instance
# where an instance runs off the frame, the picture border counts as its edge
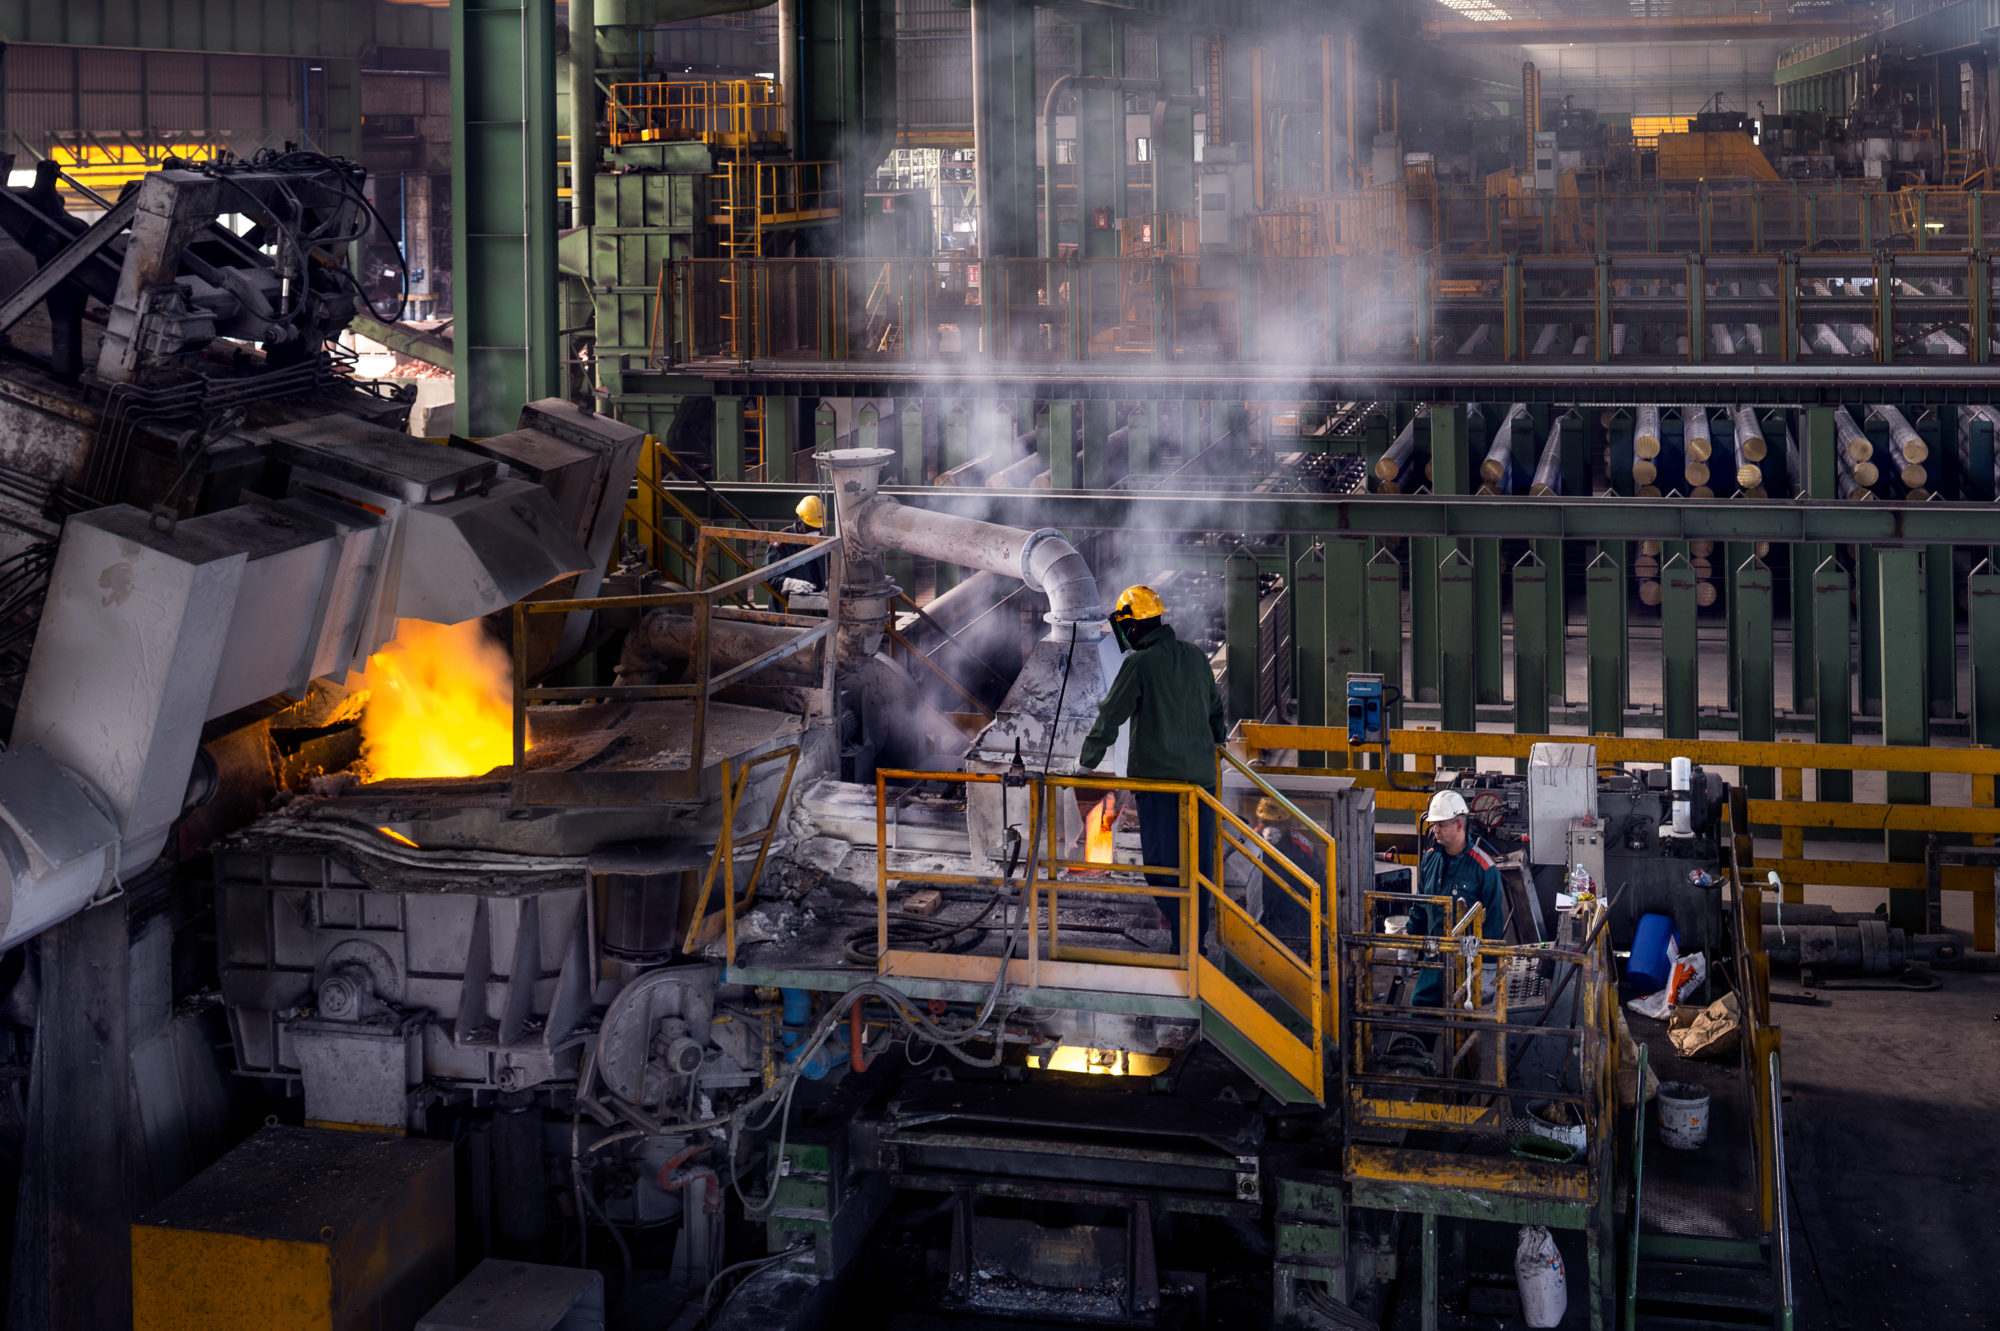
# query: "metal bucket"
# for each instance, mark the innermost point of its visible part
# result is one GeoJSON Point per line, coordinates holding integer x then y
{"type": "Point", "coordinates": [1683, 1115]}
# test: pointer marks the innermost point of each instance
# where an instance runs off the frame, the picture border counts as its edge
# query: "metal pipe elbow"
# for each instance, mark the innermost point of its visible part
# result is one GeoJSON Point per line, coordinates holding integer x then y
{"type": "Point", "coordinates": [1055, 568]}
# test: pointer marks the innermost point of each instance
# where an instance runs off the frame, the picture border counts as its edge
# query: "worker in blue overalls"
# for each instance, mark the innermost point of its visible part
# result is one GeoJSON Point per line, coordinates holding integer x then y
{"type": "Point", "coordinates": [1454, 865]}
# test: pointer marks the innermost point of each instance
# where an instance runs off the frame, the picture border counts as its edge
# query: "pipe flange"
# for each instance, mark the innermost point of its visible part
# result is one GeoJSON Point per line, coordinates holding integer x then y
{"type": "Point", "coordinates": [1874, 947]}
{"type": "Point", "coordinates": [1035, 538]}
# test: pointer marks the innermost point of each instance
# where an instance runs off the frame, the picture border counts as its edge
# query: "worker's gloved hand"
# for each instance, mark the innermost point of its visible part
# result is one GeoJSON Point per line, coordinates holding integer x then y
{"type": "Point", "coordinates": [796, 587]}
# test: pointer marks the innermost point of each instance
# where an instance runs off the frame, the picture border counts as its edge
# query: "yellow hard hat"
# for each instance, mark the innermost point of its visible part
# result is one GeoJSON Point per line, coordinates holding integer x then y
{"type": "Point", "coordinates": [1138, 602]}
{"type": "Point", "coordinates": [811, 511]}
{"type": "Point", "coordinates": [1270, 811]}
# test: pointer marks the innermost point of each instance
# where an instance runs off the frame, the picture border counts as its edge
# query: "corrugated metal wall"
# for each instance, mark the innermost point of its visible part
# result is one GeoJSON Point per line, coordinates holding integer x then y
{"type": "Point", "coordinates": [51, 90]}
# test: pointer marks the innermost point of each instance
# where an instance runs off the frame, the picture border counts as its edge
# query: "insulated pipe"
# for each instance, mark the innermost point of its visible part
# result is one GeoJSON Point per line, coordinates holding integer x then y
{"type": "Point", "coordinates": [1549, 468]}
{"type": "Point", "coordinates": [788, 72]}
{"type": "Point", "coordinates": [1018, 475]}
{"type": "Point", "coordinates": [875, 523]}
{"type": "Point", "coordinates": [1051, 218]}
{"type": "Point", "coordinates": [1497, 468]}
{"type": "Point", "coordinates": [1750, 445]}
{"type": "Point", "coordinates": [1390, 465]}
{"type": "Point", "coordinates": [1696, 444]}
{"type": "Point", "coordinates": [1853, 445]}
{"type": "Point", "coordinates": [1907, 449]}
{"type": "Point", "coordinates": [1646, 433]}
{"type": "Point", "coordinates": [582, 112]}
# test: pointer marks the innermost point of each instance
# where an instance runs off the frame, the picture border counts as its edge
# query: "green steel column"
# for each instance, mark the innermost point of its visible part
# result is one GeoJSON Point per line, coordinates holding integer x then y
{"type": "Point", "coordinates": [1555, 627]}
{"type": "Point", "coordinates": [1061, 452]}
{"type": "Point", "coordinates": [1382, 625]}
{"type": "Point", "coordinates": [1604, 595]}
{"type": "Point", "coordinates": [1905, 717]}
{"type": "Point", "coordinates": [1310, 606]}
{"type": "Point", "coordinates": [1423, 618]}
{"type": "Point", "coordinates": [781, 437]}
{"type": "Point", "coordinates": [729, 462]}
{"type": "Point", "coordinates": [343, 109]}
{"type": "Point", "coordinates": [1941, 630]}
{"type": "Point", "coordinates": [1833, 669]}
{"type": "Point", "coordinates": [1173, 148]}
{"type": "Point", "coordinates": [1870, 561]}
{"type": "Point", "coordinates": [1096, 450]}
{"type": "Point", "coordinates": [1346, 643]}
{"type": "Point", "coordinates": [1756, 688]}
{"type": "Point", "coordinates": [506, 336]}
{"type": "Point", "coordinates": [832, 103]}
{"type": "Point", "coordinates": [1455, 658]}
{"type": "Point", "coordinates": [1490, 674]}
{"type": "Point", "coordinates": [955, 451]}
{"type": "Point", "coordinates": [1142, 429]}
{"type": "Point", "coordinates": [1531, 645]}
{"type": "Point", "coordinates": [1450, 465]}
{"type": "Point", "coordinates": [1680, 693]}
{"type": "Point", "coordinates": [826, 427]}
{"type": "Point", "coordinates": [1003, 125]}
{"type": "Point", "coordinates": [1816, 457]}
{"type": "Point", "coordinates": [1982, 623]}
{"type": "Point", "coordinates": [1241, 636]}
{"type": "Point", "coordinates": [911, 419]}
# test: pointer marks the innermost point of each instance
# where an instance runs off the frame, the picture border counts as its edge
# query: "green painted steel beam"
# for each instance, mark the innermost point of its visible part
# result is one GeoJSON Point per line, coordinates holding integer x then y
{"type": "Point", "coordinates": [729, 461]}
{"type": "Point", "coordinates": [1556, 620]}
{"type": "Point", "coordinates": [1240, 633]}
{"type": "Point", "coordinates": [1382, 624]}
{"type": "Point", "coordinates": [781, 436]}
{"type": "Point", "coordinates": [1530, 578]}
{"type": "Point", "coordinates": [1751, 664]}
{"type": "Point", "coordinates": [1311, 603]}
{"type": "Point", "coordinates": [1060, 453]}
{"type": "Point", "coordinates": [506, 338]}
{"type": "Point", "coordinates": [318, 29]}
{"type": "Point", "coordinates": [1601, 518]}
{"type": "Point", "coordinates": [1940, 630]}
{"type": "Point", "coordinates": [1456, 684]}
{"type": "Point", "coordinates": [1346, 633]}
{"type": "Point", "coordinates": [1680, 696]}
{"type": "Point", "coordinates": [1097, 415]}
{"type": "Point", "coordinates": [1982, 623]}
{"type": "Point", "coordinates": [1905, 710]}
{"type": "Point", "coordinates": [1904, 384]}
{"type": "Point", "coordinates": [1868, 606]}
{"type": "Point", "coordinates": [1489, 670]}
{"type": "Point", "coordinates": [1604, 592]}
{"type": "Point", "coordinates": [1833, 667]}
{"type": "Point", "coordinates": [1423, 619]}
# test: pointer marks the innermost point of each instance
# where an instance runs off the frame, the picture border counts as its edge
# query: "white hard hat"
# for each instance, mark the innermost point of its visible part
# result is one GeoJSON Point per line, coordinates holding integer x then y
{"type": "Point", "coordinates": [1446, 804]}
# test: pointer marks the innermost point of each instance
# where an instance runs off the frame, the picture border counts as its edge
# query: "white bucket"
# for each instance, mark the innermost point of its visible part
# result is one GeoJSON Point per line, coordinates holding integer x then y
{"type": "Point", "coordinates": [1683, 1115]}
{"type": "Point", "coordinates": [1552, 1120]}
{"type": "Point", "coordinates": [1538, 1274]}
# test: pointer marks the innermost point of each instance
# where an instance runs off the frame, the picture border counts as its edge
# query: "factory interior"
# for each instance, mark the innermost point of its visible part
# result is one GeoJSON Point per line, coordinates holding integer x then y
{"type": "Point", "coordinates": [623, 830]}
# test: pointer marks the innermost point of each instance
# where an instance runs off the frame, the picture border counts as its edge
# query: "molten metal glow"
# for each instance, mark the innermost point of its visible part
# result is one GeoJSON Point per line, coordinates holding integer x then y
{"type": "Point", "coordinates": [1098, 829]}
{"type": "Point", "coordinates": [440, 703]}
{"type": "Point", "coordinates": [394, 835]}
{"type": "Point", "coordinates": [1105, 1062]}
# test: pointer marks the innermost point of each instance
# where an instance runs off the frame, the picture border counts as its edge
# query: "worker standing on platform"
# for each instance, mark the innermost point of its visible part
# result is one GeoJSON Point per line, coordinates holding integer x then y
{"type": "Point", "coordinates": [1166, 689]}
{"type": "Point", "coordinates": [809, 577]}
{"type": "Point", "coordinates": [1454, 865]}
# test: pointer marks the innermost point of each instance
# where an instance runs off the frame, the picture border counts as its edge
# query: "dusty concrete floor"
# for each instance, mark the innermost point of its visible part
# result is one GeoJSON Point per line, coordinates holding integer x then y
{"type": "Point", "coordinates": [1890, 1137]}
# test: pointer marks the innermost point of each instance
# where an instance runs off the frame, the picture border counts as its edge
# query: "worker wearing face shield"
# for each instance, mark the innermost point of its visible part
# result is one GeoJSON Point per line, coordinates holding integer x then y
{"type": "Point", "coordinates": [1166, 689]}
{"type": "Point", "coordinates": [1456, 865]}
{"type": "Point", "coordinates": [810, 577]}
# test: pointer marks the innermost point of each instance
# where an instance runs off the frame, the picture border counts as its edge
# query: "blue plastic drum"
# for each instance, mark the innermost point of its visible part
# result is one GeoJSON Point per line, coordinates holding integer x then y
{"type": "Point", "coordinates": [1654, 947]}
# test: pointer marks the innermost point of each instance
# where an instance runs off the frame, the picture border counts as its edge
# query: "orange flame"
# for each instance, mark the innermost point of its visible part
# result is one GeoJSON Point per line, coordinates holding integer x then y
{"type": "Point", "coordinates": [1098, 829]}
{"type": "Point", "coordinates": [440, 703]}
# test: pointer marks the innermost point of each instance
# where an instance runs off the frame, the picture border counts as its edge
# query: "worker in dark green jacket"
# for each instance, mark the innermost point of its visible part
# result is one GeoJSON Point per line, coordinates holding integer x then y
{"type": "Point", "coordinates": [1455, 865]}
{"type": "Point", "coordinates": [1166, 689]}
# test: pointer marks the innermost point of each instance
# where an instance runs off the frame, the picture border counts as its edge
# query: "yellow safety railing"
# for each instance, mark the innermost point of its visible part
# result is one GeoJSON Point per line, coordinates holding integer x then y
{"type": "Point", "coordinates": [658, 785]}
{"type": "Point", "coordinates": [1760, 1041]}
{"type": "Point", "coordinates": [1446, 1068]}
{"type": "Point", "coordinates": [1791, 815]}
{"type": "Point", "coordinates": [1049, 962]}
{"type": "Point", "coordinates": [728, 113]}
{"type": "Point", "coordinates": [703, 927]}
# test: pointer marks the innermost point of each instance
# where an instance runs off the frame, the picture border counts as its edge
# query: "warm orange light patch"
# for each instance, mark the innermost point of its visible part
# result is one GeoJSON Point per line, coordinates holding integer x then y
{"type": "Point", "coordinates": [440, 703]}
{"type": "Point", "coordinates": [1098, 828]}
{"type": "Point", "coordinates": [1102, 1062]}
{"type": "Point", "coordinates": [394, 835]}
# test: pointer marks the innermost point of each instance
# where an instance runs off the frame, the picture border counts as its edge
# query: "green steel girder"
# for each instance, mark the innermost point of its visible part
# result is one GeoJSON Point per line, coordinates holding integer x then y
{"type": "Point", "coordinates": [1455, 647]}
{"type": "Point", "coordinates": [506, 340]}
{"type": "Point", "coordinates": [1679, 669]}
{"type": "Point", "coordinates": [1382, 625]}
{"type": "Point", "coordinates": [1241, 632]}
{"type": "Point", "coordinates": [1902, 384]}
{"type": "Point", "coordinates": [1605, 645]}
{"type": "Point", "coordinates": [1312, 672]}
{"type": "Point", "coordinates": [1603, 518]}
{"type": "Point", "coordinates": [1905, 713]}
{"type": "Point", "coordinates": [1530, 577]}
{"type": "Point", "coordinates": [1982, 622]}
{"type": "Point", "coordinates": [322, 29]}
{"type": "Point", "coordinates": [1750, 611]}
{"type": "Point", "coordinates": [1833, 666]}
